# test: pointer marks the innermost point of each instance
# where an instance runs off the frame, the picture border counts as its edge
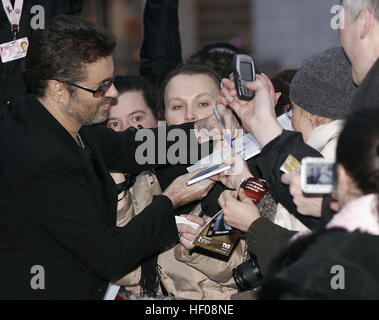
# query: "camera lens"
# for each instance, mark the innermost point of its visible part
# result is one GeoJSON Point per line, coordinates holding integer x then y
{"type": "Point", "coordinates": [247, 275]}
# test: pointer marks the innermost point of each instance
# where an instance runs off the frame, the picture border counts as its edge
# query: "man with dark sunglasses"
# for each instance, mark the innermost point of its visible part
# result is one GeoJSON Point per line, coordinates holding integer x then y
{"type": "Point", "coordinates": [58, 237]}
{"type": "Point", "coordinates": [99, 91]}
{"type": "Point", "coordinates": [81, 103]}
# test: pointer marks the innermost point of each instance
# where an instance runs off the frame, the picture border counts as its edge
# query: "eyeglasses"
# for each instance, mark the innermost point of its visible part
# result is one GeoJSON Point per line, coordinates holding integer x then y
{"type": "Point", "coordinates": [99, 92]}
{"type": "Point", "coordinates": [288, 108]}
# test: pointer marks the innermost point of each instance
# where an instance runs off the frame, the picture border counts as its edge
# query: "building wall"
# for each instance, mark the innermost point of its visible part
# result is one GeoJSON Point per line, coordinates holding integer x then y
{"type": "Point", "coordinates": [287, 31]}
{"type": "Point", "coordinates": [124, 19]}
{"type": "Point", "coordinates": [278, 33]}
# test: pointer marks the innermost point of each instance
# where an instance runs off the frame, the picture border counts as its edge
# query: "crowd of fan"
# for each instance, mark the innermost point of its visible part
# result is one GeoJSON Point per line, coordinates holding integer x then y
{"type": "Point", "coordinates": [332, 102]}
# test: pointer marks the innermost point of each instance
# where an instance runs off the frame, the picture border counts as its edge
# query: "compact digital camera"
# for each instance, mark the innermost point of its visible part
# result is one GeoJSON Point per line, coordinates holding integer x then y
{"type": "Point", "coordinates": [317, 175]}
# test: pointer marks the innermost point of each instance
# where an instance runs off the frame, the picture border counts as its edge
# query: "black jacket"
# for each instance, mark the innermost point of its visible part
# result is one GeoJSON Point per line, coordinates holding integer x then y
{"type": "Point", "coordinates": [58, 207]}
{"type": "Point", "coordinates": [311, 267]}
{"type": "Point", "coordinates": [12, 81]}
{"type": "Point", "coordinates": [271, 159]}
{"type": "Point", "coordinates": [161, 48]}
{"type": "Point", "coordinates": [264, 238]}
{"type": "Point", "coordinates": [367, 94]}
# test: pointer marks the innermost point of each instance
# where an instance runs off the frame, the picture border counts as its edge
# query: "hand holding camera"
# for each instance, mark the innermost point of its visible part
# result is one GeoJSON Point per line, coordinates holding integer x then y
{"type": "Point", "coordinates": [307, 205]}
{"type": "Point", "coordinates": [315, 179]}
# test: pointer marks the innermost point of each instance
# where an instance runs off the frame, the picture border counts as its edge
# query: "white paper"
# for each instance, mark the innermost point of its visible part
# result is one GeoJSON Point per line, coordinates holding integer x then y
{"type": "Point", "coordinates": [112, 291]}
{"type": "Point", "coordinates": [245, 145]}
{"type": "Point", "coordinates": [285, 121]}
{"type": "Point", "coordinates": [183, 220]}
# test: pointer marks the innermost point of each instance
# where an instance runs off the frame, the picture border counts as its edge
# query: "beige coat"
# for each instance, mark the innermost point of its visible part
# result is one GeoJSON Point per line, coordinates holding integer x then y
{"type": "Point", "coordinates": [324, 139]}
{"type": "Point", "coordinates": [183, 275]}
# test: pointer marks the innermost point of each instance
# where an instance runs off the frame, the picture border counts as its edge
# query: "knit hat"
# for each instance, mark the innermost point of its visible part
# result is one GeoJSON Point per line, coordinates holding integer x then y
{"type": "Point", "coordinates": [324, 85]}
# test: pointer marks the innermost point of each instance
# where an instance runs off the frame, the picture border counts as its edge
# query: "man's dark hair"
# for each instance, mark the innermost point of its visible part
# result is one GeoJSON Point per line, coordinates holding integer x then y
{"type": "Point", "coordinates": [282, 82]}
{"type": "Point", "coordinates": [62, 50]}
{"type": "Point", "coordinates": [218, 56]}
{"type": "Point", "coordinates": [358, 149]}
{"type": "Point", "coordinates": [133, 83]}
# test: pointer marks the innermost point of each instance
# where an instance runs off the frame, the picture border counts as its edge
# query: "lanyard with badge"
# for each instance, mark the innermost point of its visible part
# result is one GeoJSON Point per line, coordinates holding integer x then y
{"type": "Point", "coordinates": [17, 48]}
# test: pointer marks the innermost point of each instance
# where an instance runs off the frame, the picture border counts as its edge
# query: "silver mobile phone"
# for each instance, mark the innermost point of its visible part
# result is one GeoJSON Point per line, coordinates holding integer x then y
{"type": "Point", "coordinates": [243, 72]}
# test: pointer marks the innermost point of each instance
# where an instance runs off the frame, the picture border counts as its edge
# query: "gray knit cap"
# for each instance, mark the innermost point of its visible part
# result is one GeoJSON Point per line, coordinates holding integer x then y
{"type": "Point", "coordinates": [324, 85]}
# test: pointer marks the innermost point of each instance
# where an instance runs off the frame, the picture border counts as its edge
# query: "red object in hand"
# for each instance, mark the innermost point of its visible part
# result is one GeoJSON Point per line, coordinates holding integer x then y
{"type": "Point", "coordinates": [254, 189]}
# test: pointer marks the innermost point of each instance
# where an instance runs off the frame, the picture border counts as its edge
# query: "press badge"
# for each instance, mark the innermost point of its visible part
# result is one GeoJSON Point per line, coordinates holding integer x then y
{"type": "Point", "coordinates": [14, 50]}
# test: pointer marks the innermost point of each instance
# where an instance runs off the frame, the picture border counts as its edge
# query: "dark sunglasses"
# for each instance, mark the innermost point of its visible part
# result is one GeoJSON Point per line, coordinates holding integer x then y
{"type": "Point", "coordinates": [99, 92]}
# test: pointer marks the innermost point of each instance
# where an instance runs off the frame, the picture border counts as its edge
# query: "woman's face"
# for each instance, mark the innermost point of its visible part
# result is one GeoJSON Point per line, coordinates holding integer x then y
{"type": "Point", "coordinates": [301, 121]}
{"type": "Point", "coordinates": [131, 110]}
{"type": "Point", "coordinates": [189, 98]}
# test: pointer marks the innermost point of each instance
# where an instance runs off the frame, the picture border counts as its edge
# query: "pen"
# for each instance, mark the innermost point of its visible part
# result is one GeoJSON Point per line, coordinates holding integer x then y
{"type": "Point", "coordinates": [221, 122]}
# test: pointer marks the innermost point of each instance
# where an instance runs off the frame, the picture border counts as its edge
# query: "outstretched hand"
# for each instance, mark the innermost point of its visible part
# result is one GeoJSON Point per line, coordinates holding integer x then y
{"type": "Point", "coordinates": [180, 193]}
{"type": "Point", "coordinates": [231, 178]}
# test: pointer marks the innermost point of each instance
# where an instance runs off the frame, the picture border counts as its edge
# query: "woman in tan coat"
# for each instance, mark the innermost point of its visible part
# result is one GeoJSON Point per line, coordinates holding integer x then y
{"type": "Point", "coordinates": [189, 94]}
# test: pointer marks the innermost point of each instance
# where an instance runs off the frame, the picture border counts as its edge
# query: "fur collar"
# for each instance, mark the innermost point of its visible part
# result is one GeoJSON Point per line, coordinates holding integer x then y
{"type": "Point", "coordinates": [358, 215]}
